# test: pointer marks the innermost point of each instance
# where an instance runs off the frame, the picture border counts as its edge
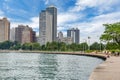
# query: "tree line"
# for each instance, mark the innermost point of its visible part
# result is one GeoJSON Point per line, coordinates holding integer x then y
{"type": "Point", "coordinates": [50, 46]}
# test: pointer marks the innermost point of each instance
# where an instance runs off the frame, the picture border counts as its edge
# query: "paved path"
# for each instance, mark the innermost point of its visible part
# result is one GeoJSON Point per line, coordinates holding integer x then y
{"type": "Point", "coordinates": [108, 70]}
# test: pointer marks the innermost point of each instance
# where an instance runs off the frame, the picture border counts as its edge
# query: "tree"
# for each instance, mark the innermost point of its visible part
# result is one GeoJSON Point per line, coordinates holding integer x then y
{"type": "Point", "coordinates": [111, 33]}
{"type": "Point", "coordinates": [6, 45]}
{"type": "Point", "coordinates": [112, 46]}
{"type": "Point", "coordinates": [83, 46]}
{"type": "Point", "coordinates": [16, 45]}
{"type": "Point", "coordinates": [27, 46]}
{"type": "Point", "coordinates": [62, 46]}
{"type": "Point", "coordinates": [97, 46]}
{"type": "Point", "coordinates": [36, 46]}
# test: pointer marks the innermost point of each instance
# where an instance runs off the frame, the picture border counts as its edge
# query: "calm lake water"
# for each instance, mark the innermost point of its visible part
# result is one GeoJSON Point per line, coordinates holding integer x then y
{"type": "Point", "coordinates": [34, 66]}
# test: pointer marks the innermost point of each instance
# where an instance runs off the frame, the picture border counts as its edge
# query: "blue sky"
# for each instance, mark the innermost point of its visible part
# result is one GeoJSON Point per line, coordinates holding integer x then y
{"type": "Point", "coordinates": [87, 15]}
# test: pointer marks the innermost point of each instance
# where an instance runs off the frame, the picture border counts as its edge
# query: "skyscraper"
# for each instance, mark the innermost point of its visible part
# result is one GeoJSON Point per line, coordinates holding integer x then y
{"type": "Point", "coordinates": [4, 30]}
{"type": "Point", "coordinates": [48, 25]}
{"type": "Point", "coordinates": [74, 34]}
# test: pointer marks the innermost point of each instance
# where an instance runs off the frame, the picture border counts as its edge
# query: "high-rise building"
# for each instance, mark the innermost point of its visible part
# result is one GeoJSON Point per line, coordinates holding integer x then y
{"type": "Point", "coordinates": [4, 30]}
{"type": "Point", "coordinates": [74, 34]}
{"type": "Point", "coordinates": [18, 33]}
{"type": "Point", "coordinates": [25, 34]}
{"type": "Point", "coordinates": [48, 25]}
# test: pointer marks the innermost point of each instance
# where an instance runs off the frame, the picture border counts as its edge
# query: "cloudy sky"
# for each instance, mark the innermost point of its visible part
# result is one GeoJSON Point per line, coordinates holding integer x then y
{"type": "Point", "coordinates": [87, 15]}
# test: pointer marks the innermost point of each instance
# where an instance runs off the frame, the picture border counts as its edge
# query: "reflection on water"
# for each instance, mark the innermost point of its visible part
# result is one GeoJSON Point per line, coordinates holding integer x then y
{"type": "Point", "coordinates": [32, 66]}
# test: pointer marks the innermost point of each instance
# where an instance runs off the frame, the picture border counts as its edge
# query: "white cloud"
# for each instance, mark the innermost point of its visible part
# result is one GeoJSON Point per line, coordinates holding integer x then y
{"type": "Point", "coordinates": [68, 17]}
{"type": "Point", "coordinates": [94, 27]}
{"type": "Point", "coordinates": [102, 5]}
{"type": "Point", "coordinates": [34, 23]}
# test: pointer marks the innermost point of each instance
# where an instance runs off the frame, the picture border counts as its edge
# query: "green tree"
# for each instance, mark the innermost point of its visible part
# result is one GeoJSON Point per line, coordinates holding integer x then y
{"type": "Point", "coordinates": [75, 47]}
{"type": "Point", "coordinates": [16, 45]}
{"type": "Point", "coordinates": [111, 33]}
{"type": "Point", "coordinates": [62, 46]}
{"type": "Point", "coordinates": [27, 46]}
{"type": "Point", "coordinates": [36, 46]}
{"type": "Point", "coordinates": [43, 47]}
{"type": "Point", "coordinates": [97, 46]}
{"type": "Point", "coordinates": [83, 46]}
{"type": "Point", "coordinates": [48, 46]}
{"type": "Point", "coordinates": [112, 46]}
{"type": "Point", "coordinates": [6, 45]}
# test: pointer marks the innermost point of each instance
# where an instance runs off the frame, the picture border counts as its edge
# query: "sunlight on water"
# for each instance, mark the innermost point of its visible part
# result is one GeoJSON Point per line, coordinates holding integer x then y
{"type": "Point", "coordinates": [33, 66]}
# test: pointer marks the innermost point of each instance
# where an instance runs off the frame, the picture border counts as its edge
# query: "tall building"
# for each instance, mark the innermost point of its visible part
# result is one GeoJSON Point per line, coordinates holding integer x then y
{"type": "Point", "coordinates": [74, 34]}
{"type": "Point", "coordinates": [4, 30]}
{"type": "Point", "coordinates": [48, 25]}
{"type": "Point", "coordinates": [18, 33]}
{"type": "Point", "coordinates": [25, 34]}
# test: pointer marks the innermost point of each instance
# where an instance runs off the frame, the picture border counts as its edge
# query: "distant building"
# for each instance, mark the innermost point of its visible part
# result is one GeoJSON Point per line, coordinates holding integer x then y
{"type": "Point", "coordinates": [25, 34]}
{"type": "Point", "coordinates": [48, 25]}
{"type": "Point", "coordinates": [67, 40]}
{"type": "Point", "coordinates": [60, 35]}
{"type": "Point", "coordinates": [4, 30]}
{"type": "Point", "coordinates": [12, 34]}
{"type": "Point", "coordinates": [74, 34]}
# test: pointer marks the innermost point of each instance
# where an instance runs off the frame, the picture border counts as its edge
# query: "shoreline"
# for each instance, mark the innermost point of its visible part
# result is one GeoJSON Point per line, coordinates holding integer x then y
{"type": "Point", "coordinates": [98, 55]}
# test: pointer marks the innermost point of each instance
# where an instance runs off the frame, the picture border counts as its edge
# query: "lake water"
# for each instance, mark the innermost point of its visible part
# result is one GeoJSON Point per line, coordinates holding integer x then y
{"type": "Point", "coordinates": [34, 66]}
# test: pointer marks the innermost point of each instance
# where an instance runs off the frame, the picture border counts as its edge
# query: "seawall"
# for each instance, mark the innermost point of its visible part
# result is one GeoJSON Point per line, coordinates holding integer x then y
{"type": "Point", "coordinates": [102, 56]}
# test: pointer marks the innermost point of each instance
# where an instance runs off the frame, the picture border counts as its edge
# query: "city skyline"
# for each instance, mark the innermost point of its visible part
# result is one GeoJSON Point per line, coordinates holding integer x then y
{"type": "Point", "coordinates": [87, 15]}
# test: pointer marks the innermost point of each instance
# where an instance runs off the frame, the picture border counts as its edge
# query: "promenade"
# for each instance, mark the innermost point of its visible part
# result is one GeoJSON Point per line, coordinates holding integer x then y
{"type": "Point", "coordinates": [108, 70]}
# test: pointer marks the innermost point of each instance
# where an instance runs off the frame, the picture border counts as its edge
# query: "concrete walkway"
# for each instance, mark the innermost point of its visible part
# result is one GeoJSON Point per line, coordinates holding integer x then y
{"type": "Point", "coordinates": [108, 70]}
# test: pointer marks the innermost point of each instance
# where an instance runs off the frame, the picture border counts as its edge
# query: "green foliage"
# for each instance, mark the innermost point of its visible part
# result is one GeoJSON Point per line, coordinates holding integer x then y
{"type": "Point", "coordinates": [83, 46]}
{"type": "Point", "coordinates": [27, 46]}
{"type": "Point", "coordinates": [6, 45]}
{"type": "Point", "coordinates": [112, 46]}
{"type": "Point", "coordinates": [36, 46]}
{"type": "Point", "coordinates": [97, 46]}
{"type": "Point", "coordinates": [16, 46]}
{"type": "Point", "coordinates": [111, 33]}
{"type": "Point", "coordinates": [62, 46]}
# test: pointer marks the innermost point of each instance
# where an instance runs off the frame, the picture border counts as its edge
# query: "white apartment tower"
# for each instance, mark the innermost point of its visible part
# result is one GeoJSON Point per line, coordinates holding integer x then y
{"type": "Point", "coordinates": [48, 25]}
